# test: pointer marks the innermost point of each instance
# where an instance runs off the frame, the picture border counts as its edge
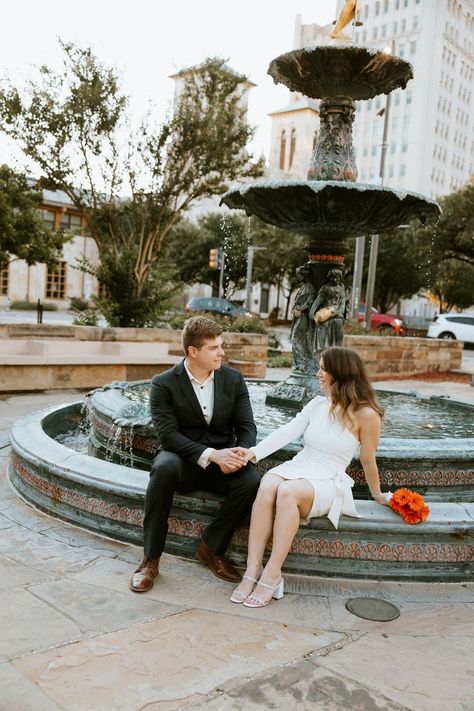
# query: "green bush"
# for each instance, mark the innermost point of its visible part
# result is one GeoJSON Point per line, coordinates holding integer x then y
{"type": "Point", "coordinates": [89, 317]}
{"type": "Point", "coordinates": [32, 306]}
{"type": "Point", "coordinates": [78, 304]}
{"type": "Point", "coordinates": [246, 324]}
{"type": "Point", "coordinates": [241, 324]}
{"type": "Point", "coordinates": [283, 360]}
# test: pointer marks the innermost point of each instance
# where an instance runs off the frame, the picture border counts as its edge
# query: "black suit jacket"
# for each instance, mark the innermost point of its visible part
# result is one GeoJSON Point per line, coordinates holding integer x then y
{"type": "Point", "coordinates": [180, 424]}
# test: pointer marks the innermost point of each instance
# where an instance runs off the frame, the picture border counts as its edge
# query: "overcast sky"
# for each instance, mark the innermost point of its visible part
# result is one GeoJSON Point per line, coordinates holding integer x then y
{"type": "Point", "coordinates": [147, 40]}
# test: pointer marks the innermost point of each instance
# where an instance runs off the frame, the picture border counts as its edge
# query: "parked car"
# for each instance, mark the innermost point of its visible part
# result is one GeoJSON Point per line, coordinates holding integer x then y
{"type": "Point", "coordinates": [215, 305]}
{"type": "Point", "coordinates": [383, 322]}
{"type": "Point", "coordinates": [455, 326]}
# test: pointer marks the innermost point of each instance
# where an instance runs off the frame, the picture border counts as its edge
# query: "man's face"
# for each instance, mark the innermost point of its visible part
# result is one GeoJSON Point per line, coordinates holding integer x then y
{"type": "Point", "coordinates": [209, 356]}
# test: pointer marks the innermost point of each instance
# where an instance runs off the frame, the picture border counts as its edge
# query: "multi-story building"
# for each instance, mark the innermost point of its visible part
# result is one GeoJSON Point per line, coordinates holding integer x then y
{"type": "Point", "coordinates": [430, 129]}
{"type": "Point", "coordinates": [21, 282]}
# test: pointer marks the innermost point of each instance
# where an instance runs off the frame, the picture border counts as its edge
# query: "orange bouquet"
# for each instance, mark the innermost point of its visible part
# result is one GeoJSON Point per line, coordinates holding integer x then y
{"type": "Point", "coordinates": [410, 506]}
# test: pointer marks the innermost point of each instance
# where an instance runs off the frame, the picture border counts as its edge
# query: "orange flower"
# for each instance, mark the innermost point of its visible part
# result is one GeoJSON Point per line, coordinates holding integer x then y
{"type": "Point", "coordinates": [410, 506]}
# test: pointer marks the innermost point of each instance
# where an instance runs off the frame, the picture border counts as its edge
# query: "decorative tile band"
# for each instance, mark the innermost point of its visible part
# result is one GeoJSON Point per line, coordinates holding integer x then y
{"type": "Point", "coordinates": [302, 545]}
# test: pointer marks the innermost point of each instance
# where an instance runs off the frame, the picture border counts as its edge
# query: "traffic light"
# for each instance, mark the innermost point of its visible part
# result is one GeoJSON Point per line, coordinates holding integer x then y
{"type": "Point", "coordinates": [213, 259]}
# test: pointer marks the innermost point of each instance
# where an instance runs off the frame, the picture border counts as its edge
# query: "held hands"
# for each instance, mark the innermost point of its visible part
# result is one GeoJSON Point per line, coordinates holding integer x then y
{"type": "Point", "coordinates": [231, 459]}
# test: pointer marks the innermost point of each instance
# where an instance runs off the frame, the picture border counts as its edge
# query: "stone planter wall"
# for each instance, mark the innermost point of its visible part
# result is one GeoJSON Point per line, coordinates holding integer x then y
{"type": "Point", "coordinates": [35, 357]}
{"type": "Point", "coordinates": [392, 356]}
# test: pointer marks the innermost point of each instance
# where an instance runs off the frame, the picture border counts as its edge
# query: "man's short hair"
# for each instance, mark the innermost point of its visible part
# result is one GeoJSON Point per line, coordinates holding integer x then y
{"type": "Point", "coordinates": [197, 330]}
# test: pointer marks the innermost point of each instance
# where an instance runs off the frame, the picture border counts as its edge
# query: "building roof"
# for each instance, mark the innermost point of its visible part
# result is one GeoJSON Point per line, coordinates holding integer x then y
{"type": "Point", "coordinates": [302, 104]}
{"type": "Point", "coordinates": [188, 70]}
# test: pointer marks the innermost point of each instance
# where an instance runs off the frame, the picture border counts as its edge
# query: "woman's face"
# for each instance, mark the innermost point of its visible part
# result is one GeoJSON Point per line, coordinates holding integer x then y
{"type": "Point", "coordinates": [325, 380]}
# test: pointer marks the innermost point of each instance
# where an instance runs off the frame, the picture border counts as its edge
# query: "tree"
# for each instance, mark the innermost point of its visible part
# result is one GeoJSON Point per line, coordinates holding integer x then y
{"type": "Point", "coordinates": [73, 125]}
{"type": "Point", "coordinates": [453, 286]}
{"type": "Point", "coordinates": [23, 234]}
{"type": "Point", "coordinates": [190, 244]}
{"type": "Point", "coordinates": [279, 252]}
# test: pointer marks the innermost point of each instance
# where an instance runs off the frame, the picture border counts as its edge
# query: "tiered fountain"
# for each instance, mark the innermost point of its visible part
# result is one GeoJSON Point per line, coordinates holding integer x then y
{"type": "Point", "coordinates": [330, 206]}
{"type": "Point", "coordinates": [105, 494]}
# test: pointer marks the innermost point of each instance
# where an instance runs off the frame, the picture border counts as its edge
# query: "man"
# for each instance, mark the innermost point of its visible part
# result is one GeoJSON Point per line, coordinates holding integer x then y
{"type": "Point", "coordinates": [202, 414]}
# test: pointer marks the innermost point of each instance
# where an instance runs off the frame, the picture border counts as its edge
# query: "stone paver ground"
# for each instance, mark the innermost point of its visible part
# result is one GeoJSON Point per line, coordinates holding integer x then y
{"type": "Point", "coordinates": [74, 638]}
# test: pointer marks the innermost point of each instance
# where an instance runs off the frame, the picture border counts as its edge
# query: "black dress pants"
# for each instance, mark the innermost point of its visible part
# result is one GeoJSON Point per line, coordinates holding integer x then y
{"type": "Point", "coordinates": [170, 473]}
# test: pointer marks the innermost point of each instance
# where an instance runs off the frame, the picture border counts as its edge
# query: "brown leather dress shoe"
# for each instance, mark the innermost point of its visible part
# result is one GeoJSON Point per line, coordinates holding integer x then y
{"type": "Point", "coordinates": [144, 576]}
{"type": "Point", "coordinates": [218, 564]}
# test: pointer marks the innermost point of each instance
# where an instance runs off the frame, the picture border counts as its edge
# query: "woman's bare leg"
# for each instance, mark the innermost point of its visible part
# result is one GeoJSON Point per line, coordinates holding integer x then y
{"type": "Point", "coordinates": [294, 501]}
{"type": "Point", "coordinates": [261, 526]}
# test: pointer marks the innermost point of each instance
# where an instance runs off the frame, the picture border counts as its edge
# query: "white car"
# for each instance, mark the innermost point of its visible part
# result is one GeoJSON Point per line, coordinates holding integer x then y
{"type": "Point", "coordinates": [459, 327]}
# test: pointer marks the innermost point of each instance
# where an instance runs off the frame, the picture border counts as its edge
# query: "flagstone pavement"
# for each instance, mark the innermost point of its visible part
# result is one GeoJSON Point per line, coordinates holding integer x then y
{"type": "Point", "coordinates": [73, 637]}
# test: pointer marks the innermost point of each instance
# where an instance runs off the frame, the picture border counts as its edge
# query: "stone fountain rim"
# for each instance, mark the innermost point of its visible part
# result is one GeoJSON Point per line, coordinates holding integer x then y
{"type": "Point", "coordinates": [88, 471]}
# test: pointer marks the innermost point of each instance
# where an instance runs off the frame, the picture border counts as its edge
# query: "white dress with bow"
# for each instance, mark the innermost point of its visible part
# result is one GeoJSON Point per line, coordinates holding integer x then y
{"type": "Point", "coordinates": [328, 450]}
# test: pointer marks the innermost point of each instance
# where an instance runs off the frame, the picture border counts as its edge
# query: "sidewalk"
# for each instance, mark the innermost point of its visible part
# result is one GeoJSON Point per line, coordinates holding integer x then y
{"type": "Point", "coordinates": [75, 638]}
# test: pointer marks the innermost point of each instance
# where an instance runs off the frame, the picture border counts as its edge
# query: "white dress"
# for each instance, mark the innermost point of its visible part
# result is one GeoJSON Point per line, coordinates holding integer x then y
{"type": "Point", "coordinates": [328, 450]}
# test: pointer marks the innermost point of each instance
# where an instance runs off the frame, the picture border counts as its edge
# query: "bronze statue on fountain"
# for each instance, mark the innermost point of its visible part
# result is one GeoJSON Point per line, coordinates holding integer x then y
{"type": "Point", "coordinates": [330, 207]}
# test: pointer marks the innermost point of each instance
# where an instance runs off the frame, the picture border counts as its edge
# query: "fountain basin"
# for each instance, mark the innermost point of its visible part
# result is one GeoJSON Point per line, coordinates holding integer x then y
{"type": "Point", "coordinates": [440, 468]}
{"type": "Point", "coordinates": [340, 70]}
{"type": "Point", "coordinates": [333, 209]}
{"type": "Point", "coordinates": [108, 498]}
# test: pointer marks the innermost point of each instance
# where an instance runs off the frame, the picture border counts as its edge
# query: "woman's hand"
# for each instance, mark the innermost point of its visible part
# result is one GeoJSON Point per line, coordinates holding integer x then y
{"type": "Point", "coordinates": [246, 454]}
{"type": "Point", "coordinates": [382, 498]}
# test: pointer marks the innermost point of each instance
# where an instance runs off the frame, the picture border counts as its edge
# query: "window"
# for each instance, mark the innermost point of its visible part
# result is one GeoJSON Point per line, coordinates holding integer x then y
{"type": "Point", "coordinates": [48, 218]}
{"type": "Point", "coordinates": [282, 150]}
{"type": "Point", "coordinates": [292, 148]}
{"type": "Point", "coordinates": [71, 223]}
{"type": "Point", "coordinates": [404, 147]}
{"type": "Point", "coordinates": [4, 274]}
{"type": "Point", "coordinates": [374, 150]}
{"type": "Point", "coordinates": [413, 47]}
{"type": "Point", "coordinates": [402, 170]}
{"type": "Point", "coordinates": [315, 140]}
{"type": "Point", "coordinates": [56, 282]}
{"type": "Point", "coordinates": [393, 147]}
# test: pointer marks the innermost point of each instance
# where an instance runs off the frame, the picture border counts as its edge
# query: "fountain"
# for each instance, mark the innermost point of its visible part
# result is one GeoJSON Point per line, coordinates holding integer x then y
{"type": "Point", "coordinates": [330, 206]}
{"type": "Point", "coordinates": [102, 487]}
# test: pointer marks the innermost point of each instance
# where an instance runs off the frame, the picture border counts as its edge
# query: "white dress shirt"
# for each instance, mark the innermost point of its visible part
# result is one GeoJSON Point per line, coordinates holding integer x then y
{"type": "Point", "coordinates": [205, 396]}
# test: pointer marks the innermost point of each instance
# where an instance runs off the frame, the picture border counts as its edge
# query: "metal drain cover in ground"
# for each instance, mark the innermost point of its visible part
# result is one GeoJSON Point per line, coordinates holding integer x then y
{"type": "Point", "coordinates": [372, 608]}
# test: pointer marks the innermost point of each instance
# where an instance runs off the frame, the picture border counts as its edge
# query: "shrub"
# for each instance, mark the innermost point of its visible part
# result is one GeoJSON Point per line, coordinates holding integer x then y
{"type": "Point", "coordinates": [89, 317]}
{"type": "Point", "coordinates": [282, 360]}
{"type": "Point", "coordinates": [241, 324]}
{"type": "Point", "coordinates": [246, 324]}
{"type": "Point", "coordinates": [78, 304]}
{"type": "Point", "coordinates": [32, 306]}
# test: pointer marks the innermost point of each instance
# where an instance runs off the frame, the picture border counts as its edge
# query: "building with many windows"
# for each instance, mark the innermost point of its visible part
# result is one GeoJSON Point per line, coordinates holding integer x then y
{"type": "Point", "coordinates": [430, 130]}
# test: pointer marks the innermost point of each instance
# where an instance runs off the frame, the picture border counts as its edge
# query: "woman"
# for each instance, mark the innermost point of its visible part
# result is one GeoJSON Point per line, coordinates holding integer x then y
{"type": "Point", "coordinates": [314, 482]}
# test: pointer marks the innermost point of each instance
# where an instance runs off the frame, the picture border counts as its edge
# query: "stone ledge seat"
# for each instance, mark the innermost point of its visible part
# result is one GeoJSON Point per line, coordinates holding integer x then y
{"type": "Point", "coordinates": [108, 499]}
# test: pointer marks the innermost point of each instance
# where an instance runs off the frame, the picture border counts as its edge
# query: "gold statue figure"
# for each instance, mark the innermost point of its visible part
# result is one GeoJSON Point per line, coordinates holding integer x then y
{"type": "Point", "coordinates": [348, 13]}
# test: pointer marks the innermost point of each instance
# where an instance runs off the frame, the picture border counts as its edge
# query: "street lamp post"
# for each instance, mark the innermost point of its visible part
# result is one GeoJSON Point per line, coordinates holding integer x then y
{"type": "Point", "coordinates": [374, 244]}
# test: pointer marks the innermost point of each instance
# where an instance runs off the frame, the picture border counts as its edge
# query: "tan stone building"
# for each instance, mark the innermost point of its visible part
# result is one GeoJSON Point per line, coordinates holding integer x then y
{"type": "Point", "coordinates": [20, 282]}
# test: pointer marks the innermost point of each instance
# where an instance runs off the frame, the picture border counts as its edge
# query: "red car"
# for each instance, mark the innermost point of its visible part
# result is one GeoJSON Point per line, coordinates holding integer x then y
{"type": "Point", "coordinates": [383, 322]}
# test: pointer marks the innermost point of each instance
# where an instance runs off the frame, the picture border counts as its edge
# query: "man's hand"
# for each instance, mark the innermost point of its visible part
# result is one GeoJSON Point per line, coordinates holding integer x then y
{"type": "Point", "coordinates": [229, 460]}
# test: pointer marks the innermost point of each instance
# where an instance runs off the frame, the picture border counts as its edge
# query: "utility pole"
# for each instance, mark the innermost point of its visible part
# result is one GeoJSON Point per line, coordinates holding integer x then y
{"type": "Point", "coordinates": [374, 244]}
{"type": "Point", "coordinates": [248, 282]}
{"type": "Point", "coordinates": [357, 280]}
{"type": "Point", "coordinates": [221, 272]}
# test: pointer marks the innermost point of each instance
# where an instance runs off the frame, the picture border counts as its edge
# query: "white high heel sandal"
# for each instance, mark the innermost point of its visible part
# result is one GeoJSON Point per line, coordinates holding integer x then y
{"type": "Point", "coordinates": [277, 594]}
{"type": "Point", "coordinates": [239, 597]}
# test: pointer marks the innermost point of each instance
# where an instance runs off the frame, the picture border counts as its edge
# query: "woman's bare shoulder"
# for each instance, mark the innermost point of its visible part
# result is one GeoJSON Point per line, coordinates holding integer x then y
{"type": "Point", "coordinates": [366, 415]}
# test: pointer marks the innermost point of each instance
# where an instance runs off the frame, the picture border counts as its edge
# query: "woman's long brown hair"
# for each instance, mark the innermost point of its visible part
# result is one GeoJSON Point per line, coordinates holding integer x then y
{"type": "Point", "coordinates": [350, 389]}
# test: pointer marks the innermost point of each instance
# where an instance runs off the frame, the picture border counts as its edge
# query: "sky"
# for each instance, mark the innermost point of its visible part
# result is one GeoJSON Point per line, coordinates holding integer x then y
{"type": "Point", "coordinates": [147, 40]}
